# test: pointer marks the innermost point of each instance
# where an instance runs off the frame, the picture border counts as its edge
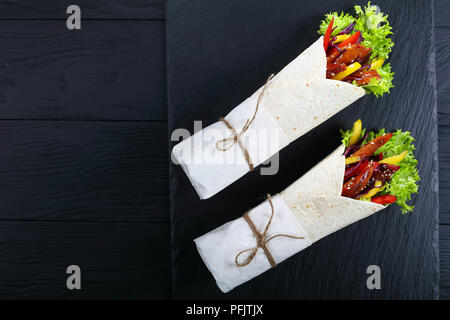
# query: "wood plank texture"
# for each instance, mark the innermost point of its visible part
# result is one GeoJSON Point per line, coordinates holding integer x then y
{"type": "Point", "coordinates": [442, 34]}
{"type": "Point", "coordinates": [107, 70]}
{"type": "Point", "coordinates": [195, 91]}
{"type": "Point", "coordinates": [117, 260]}
{"type": "Point", "coordinates": [442, 13]}
{"type": "Point", "coordinates": [444, 247]}
{"type": "Point", "coordinates": [443, 67]}
{"type": "Point", "coordinates": [111, 175]}
{"type": "Point", "coordinates": [98, 9]}
{"type": "Point", "coordinates": [83, 171]}
{"type": "Point", "coordinates": [443, 81]}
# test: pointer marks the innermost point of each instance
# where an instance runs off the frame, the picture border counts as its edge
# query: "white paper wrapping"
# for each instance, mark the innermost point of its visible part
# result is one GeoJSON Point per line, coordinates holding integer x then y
{"type": "Point", "coordinates": [210, 170]}
{"type": "Point", "coordinates": [311, 207]}
{"type": "Point", "coordinates": [297, 99]}
{"type": "Point", "coordinates": [219, 247]}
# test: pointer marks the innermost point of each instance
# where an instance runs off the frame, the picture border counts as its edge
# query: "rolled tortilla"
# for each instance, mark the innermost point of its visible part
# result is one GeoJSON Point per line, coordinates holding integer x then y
{"type": "Point", "coordinates": [312, 207]}
{"type": "Point", "coordinates": [296, 100]}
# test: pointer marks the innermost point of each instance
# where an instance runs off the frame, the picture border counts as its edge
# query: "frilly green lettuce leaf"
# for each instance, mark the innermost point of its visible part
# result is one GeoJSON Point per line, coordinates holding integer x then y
{"type": "Point", "coordinates": [405, 181]}
{"type": "Point", "coordinates": [380, 86]}
{"type": "Point", "coordinates": [340, 22]}
{"type": "Point", "coordinates": [375, 30]}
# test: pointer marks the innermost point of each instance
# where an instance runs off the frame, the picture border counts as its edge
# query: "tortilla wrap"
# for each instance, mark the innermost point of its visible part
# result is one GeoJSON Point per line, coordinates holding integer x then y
{"type": "Point", "coordinates": [296, 100]}
{"type": "Point", "coordinates": [311, 207]}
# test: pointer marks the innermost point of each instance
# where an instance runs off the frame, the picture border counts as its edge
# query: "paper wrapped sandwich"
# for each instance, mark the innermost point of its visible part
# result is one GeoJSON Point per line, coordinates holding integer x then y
{"type": "Point", "coordinates": [362, 176]}
{"type": "Point", "coordinates": [344, 64]}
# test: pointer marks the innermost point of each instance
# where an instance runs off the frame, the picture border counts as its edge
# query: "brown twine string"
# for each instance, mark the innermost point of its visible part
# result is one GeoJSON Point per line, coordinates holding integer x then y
{"type": "Point", "coordinates": [261, 241]}
{"type": "Point", "coordinates": [237, 136]}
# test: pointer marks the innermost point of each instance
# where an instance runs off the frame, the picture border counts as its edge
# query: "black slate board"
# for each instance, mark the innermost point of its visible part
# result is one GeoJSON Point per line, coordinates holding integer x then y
{"type": "Point", "coordinates": [218, 53]}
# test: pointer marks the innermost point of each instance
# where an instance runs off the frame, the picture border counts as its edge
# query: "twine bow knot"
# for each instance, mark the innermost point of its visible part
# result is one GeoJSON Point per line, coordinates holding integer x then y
{"type": "Point", "coordinates": [261, 241]}
{"type": "Point", "coordinates": [227, 143]}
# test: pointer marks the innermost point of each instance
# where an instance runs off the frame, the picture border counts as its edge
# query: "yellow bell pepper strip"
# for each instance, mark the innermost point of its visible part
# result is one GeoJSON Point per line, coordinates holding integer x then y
{"type": "Point", "coordinates": [341, 37]}
{"type": "Point", "coordinates": [326, 37]}
{"type": "Point", "coordinates": [356, 132]}
{"type": "Point", "coordinates": [395, 159]}
{"type": "Point", "coordinates": [372, 191]}
{"type": "Point", "coordinates": [351, 160]}
{"type": "Point", "coordinates": [376, 64]}
{"type": "Point", "coordinates": [348, 71]}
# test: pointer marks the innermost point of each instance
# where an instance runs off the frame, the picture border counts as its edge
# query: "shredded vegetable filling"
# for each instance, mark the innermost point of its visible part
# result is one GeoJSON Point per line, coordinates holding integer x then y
{"type": "Point", "coordinates": [380, 167]}
{"type": "Point", "coordinates": [357, 48]}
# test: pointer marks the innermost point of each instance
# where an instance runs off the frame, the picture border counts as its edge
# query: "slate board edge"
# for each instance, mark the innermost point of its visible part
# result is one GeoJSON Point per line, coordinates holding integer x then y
{"type": "Point", "coordinates": [169, 131]}
{"type": "Point", "coordinates": [433, 80]}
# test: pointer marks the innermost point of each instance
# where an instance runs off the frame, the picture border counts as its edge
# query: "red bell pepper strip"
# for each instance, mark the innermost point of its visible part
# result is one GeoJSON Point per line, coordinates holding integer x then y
{"type": "Point", "coordinates": [350, 40]}
{"type": "Point", "coordinates": [326, 39]}
{"type": "Point", "coordinates": [387, 199]}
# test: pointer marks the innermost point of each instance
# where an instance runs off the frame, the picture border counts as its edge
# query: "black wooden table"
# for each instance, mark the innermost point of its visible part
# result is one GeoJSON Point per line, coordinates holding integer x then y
{"type": "Point", "coordinates": [84, 149]}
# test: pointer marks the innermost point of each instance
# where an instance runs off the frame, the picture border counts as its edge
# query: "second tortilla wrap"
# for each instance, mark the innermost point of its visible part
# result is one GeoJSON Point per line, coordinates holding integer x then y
{"type": "Point", "coordinates": [314, 201]}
